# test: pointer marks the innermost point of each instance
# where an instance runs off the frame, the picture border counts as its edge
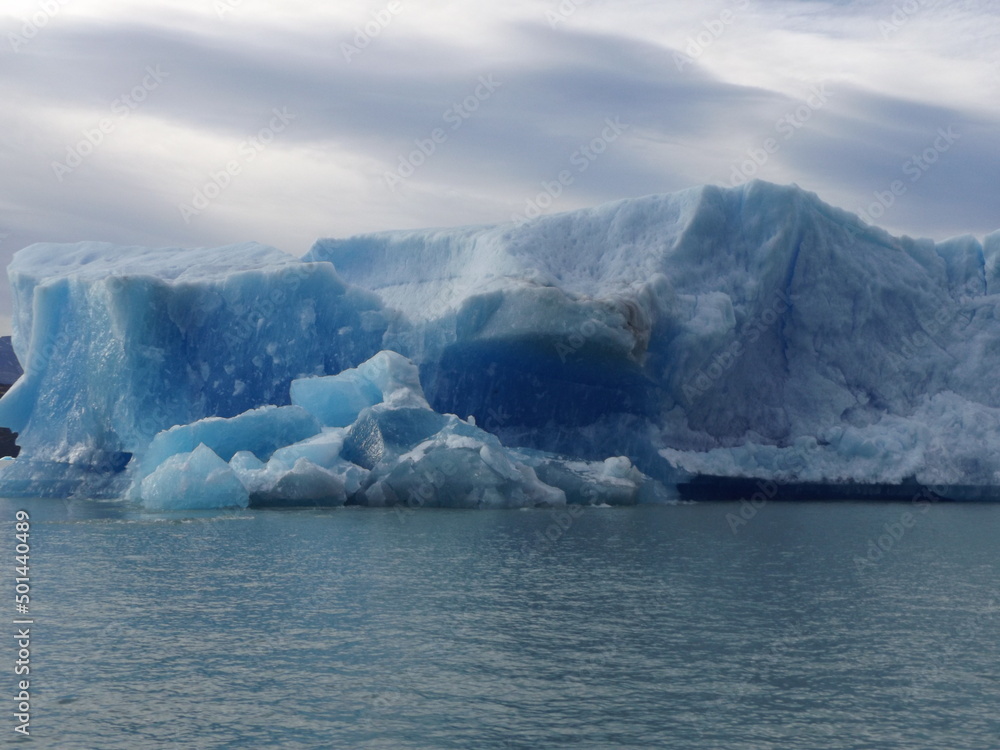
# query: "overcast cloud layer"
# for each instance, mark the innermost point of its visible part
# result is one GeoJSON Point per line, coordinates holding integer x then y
{"type": "Point", "coordinates": [232, 120]}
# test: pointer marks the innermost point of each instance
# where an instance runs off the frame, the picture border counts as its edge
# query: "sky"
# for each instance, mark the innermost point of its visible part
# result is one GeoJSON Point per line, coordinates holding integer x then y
{"type": "Point", "coordinates": [208, 122]}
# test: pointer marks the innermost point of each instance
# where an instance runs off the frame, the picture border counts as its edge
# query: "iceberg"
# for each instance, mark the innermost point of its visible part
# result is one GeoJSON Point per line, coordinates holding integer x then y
{"type": "Point", "coordinates": [612, 355]}
{"type": "Point", "coordinates": [614, 481]}
{"type": "Point", "coordinates": [337, 400]}
{"type": "Point", "coordinates": [303, 483]}
{"type": "Point", "coordinates": [120, 343]}
{"type": "Point", "coordinates": [424, 459]}
{"type": "Point", "coordinates": [397, 452]}
{"type": "Point", "coordinates": [747, 332]}
{"type": "Point", "coordinates": [259, 432]}
{"type": "Point", "coordinates": [194, 480]}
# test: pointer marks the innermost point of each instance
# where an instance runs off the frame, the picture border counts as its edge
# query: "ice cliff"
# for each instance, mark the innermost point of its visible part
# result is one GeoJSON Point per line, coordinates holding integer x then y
{"type": "Point", "coordinates": [749, 332]}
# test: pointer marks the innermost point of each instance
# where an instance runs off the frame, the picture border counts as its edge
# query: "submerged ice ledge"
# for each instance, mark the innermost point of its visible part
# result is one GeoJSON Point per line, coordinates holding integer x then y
{"type": "Point", "coordinates": [611, 355]}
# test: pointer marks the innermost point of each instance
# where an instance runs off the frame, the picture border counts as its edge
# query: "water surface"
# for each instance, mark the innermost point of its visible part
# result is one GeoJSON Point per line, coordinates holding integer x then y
{"type": "Point", "coordinates": [837, 625]}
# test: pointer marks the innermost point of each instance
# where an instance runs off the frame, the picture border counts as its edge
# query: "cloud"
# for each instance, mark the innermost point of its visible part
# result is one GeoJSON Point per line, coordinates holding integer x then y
{"type": "Point", "coordinates": [560, 71]}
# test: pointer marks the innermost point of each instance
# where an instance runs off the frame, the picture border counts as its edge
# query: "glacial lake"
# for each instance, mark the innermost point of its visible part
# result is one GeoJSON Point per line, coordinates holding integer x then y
{"type": "Point", "coordinates": [816, 625]}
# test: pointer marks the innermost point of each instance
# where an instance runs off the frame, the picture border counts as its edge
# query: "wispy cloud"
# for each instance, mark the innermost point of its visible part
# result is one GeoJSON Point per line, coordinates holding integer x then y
{"type": "Point", "coordinates": [562, 74]}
